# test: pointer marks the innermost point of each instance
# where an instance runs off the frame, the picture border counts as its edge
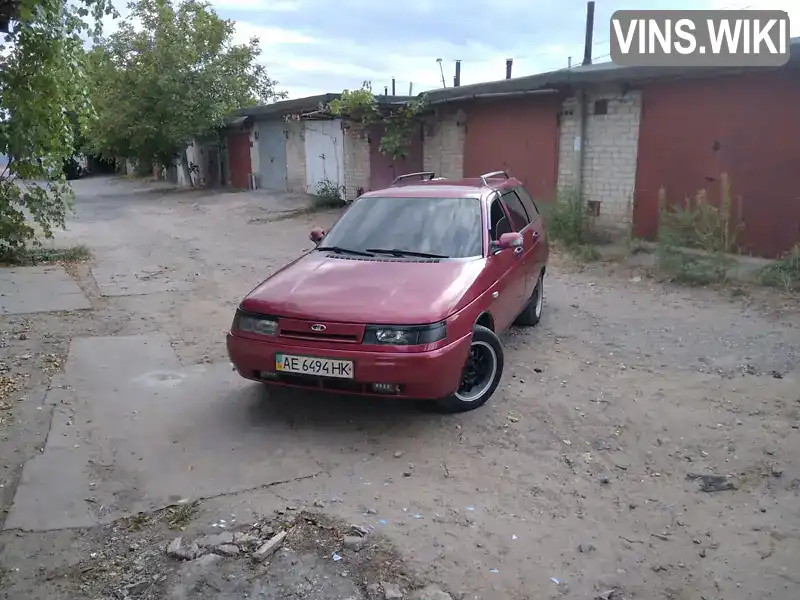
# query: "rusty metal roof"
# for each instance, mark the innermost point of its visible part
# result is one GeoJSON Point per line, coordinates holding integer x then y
{"type": "Point", "coordinates": [541, 83]}
{"type": "Point", "coordinates": [309, 103]}
{"type": "Point", "coordinates": [581, 75]}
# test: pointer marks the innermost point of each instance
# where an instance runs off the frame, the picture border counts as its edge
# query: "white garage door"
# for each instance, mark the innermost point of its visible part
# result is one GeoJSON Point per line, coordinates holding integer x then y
{"type": "Point", "coordinates": [324, 145]}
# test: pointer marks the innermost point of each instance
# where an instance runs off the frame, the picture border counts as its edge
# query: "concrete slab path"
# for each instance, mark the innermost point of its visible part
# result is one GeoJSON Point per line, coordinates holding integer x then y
{"type": "Point", "coordinates": [133, 431]}
{"type": "Point", "coordinates": [39, 289]}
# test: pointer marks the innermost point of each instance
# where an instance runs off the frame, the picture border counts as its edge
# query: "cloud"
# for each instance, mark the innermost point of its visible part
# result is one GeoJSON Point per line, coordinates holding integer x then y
{"type": "Point", "coordinates": [318, 46]}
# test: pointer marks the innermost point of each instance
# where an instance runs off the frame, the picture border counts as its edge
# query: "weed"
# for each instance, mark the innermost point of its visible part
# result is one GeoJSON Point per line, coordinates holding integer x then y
{"type": "Point", "coordinates": [138, 522]}
{"type": "Point", "coordinates": [587, 253]}
{"type": "Point", "coordinates": [696, 240]}
{"type": "Point", "coordinates": [179, 516]}
{"type": "Point", "coordinates": [37, 256]}
{"type": "Point", "coordinates": [785, 272]}
{"type": "Point", "coordinates": [568, 220]}
{"type": "Point", "coordinates": [329, 195]}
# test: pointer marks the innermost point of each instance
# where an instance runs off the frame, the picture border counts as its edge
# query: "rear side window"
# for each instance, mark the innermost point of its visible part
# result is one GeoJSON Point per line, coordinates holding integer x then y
{"type": "Point", "coordinates": [519, 216]}
{"type": "Point", "coordinates": [528, 203]}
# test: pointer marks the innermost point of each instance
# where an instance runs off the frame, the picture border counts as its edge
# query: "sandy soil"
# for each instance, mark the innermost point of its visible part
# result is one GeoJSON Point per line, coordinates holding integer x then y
{"type": "Point", "coordinates": [644, 442]}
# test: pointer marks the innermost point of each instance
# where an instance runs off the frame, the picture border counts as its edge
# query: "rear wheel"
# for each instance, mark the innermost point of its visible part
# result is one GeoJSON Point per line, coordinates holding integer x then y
{"type": "Point", "coordinates": [532, 313]}
{"type": "Point", "coordinates": [481, 374]}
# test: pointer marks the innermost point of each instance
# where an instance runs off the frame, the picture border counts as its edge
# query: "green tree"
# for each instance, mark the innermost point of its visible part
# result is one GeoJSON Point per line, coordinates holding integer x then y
{"type": "Point", "coordinates": [171, 74]}
{"type": "Point", "coordinates": [43, 102]}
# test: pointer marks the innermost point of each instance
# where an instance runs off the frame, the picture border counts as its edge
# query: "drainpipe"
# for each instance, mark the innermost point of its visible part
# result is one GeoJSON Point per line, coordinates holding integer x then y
{"type": "Point", "coordinates": [583, 100]}
{"type": "Point", "coordinates": [509, 63]}
{"type": "Point", "coordinates": [457, 78]}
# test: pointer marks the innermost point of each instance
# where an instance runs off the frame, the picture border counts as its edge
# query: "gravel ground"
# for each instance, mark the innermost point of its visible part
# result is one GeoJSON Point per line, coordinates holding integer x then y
{"type": "Point", "coordinates": [644, 442]}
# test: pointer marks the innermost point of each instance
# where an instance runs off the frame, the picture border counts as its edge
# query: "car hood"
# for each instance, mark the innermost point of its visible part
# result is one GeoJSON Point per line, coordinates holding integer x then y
{"type": "Point", "coordinates": [352, 290]}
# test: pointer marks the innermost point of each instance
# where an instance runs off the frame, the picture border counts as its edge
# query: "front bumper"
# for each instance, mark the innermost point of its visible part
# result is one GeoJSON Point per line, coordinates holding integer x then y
{"type": "Point", "coordinates": [421, 375]}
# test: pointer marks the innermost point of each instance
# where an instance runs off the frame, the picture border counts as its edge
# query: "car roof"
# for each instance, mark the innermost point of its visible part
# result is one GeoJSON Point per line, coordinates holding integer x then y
{"type": "Point", "coordinates": [470, 187]}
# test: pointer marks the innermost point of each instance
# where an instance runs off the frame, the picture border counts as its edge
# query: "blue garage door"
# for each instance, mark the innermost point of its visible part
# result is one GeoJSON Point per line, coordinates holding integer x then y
{"type": "Point", "coordinates": [272, 155]}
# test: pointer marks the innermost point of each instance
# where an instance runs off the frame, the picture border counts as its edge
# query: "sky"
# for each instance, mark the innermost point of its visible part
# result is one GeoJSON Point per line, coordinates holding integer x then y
{"type": "Point", "coordinates": [318, 46]}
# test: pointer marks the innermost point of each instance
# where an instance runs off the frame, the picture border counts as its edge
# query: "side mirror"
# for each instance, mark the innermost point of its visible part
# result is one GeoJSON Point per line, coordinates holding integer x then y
{"type": "Point", "coordinates": [510, 240]}
{"type": "Point", "coordinates": [316, 235]}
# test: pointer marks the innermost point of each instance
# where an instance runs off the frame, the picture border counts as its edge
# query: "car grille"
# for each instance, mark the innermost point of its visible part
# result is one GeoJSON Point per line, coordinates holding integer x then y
{"type": "Point", "coordinates": [298, 329]}
{"type": "Point", "coordinates": [308, 381]}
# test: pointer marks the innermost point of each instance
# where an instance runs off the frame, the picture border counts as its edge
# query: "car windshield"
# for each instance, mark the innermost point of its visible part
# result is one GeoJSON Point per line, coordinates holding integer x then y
{"type": "Point", "coordinates": [447, 227]}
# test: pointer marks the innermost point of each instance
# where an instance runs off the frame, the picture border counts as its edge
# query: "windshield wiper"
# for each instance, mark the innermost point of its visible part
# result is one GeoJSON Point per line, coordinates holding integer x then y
{"type": "Point", "coordinates": [340, 250]}
{"type": "Point", "coordinates": [400, 253]}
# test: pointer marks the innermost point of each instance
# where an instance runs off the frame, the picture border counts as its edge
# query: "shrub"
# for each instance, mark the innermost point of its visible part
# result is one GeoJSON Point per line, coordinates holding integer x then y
{"type": "Point", "coordinates": [696, 240]}
{"type": "Point", "coordinates": [329, 195]}
{"type": "Point", "coordinates": [568, 220]}
{"type": "Point", "coordinates": [785, 272]}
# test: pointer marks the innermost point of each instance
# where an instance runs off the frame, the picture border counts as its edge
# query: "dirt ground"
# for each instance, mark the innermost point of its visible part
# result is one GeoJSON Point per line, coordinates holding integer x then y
{"type": "Point", "coordinates": [644, 442]}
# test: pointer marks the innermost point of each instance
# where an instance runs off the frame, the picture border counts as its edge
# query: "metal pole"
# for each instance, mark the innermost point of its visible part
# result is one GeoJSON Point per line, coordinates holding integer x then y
{"type": "Point", "coordinates": [587, 47]}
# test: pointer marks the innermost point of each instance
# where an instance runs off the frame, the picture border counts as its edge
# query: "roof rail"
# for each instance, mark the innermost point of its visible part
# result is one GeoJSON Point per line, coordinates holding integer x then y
{"type": "Point", "coordinates": [429, 174]}
{"type": "Point", "coordinates": [486, 176]}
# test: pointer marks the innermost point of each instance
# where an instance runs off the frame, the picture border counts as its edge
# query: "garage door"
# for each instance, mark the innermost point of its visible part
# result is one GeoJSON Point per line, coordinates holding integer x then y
{"type": "Point", "coordinates": [384, 167]}
{"type": "Point", "coordinates": [272, 155]}
{"type": "Point", "coordinates": [745, 126]}
{"type": "Point", "coordinates": [324, 153]}
{"type": "Point", "coordinates": [518, 136]}
{"type": "Point", "coordinates": [239, 159]}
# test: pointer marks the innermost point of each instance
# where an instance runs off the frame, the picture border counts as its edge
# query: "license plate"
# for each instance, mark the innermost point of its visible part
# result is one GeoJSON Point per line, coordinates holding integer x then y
{"type": "Point", "coordinates": [309, 365]}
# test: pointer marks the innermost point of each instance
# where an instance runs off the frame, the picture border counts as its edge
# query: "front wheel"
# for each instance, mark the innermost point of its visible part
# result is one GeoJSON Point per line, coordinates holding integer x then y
{"type": "Point", "coordinates": [481, 374]}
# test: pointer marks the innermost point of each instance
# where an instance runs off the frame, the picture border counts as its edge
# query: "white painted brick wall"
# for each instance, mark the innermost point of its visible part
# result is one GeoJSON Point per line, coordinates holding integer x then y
{"type": "Point", "coordinates": [567, 156]}
{"type": "Point", "coordinates": [443, 145]}
{"type": "Point", "coordinates": [295, 157]}
{"type": "Point", "coordinates": [610, 148]}
{"type": "Point", "coordinates": [356, 160]}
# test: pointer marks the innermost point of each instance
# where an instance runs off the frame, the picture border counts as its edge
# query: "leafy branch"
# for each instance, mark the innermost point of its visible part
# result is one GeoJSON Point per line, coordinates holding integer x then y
{"type": "Point", "coordinates": [398, 122]}
{"type": "Point", "coordinates": [45, 103]}
{"type": "Point", "coordinates": [171, 73]}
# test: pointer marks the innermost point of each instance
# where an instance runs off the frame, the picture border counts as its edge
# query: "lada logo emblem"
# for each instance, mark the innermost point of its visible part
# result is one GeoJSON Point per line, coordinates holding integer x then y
{"type": "Point", "coordinates": [318, 327]}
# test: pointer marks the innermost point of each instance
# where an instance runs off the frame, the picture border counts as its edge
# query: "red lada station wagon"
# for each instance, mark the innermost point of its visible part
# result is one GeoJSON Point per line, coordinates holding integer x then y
{"type": "Point", "coordinates": [405, 296]}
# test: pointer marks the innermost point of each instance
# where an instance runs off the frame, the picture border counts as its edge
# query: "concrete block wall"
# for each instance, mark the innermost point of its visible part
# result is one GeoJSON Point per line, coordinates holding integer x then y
{"type": "Point", "coordinates": [610, 147]}
{"type": "Point", "coordinates": [296, 157]}
{"type": "Point", "coordinates": [356, 160]}
{"type": "Point", "coordinates": [443, 144]}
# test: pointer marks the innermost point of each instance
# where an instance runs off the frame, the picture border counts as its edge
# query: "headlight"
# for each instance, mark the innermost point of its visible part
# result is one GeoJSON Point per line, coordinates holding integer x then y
{"type": "Point", "coordinates": [404, 335]}
{"type": "Point", "coordinates": [258, 324]}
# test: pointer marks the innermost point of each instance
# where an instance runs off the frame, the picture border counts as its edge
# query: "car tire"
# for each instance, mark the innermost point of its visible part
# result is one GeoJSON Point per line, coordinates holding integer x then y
{"type": "Point", "coordinates": [532, 313]}
{"type": "Point", "coordinates": [484, 346]}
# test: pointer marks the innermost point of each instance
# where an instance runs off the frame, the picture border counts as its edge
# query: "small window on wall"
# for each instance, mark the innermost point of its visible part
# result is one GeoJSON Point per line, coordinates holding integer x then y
{"type": "Point", "coordinates": [601, 107]}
